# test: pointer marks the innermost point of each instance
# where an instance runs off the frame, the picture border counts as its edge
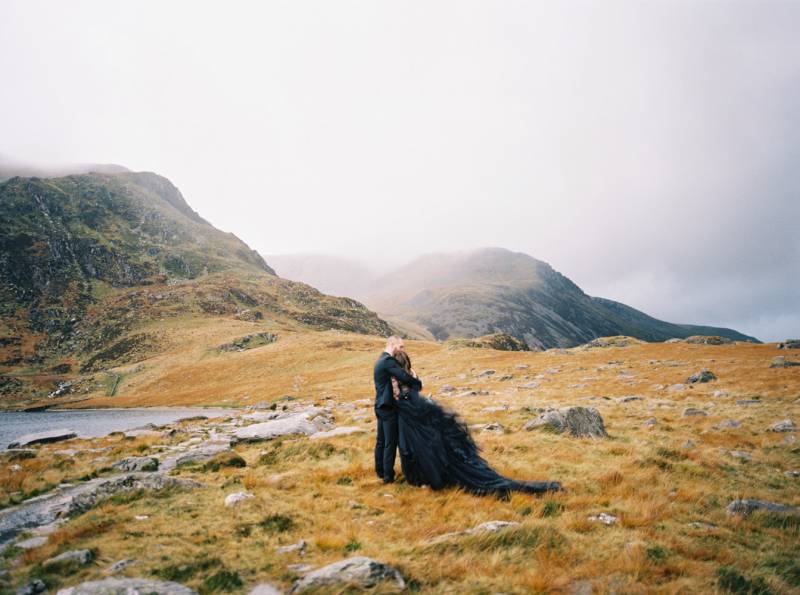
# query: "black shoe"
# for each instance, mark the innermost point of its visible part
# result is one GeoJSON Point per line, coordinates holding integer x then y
{"type": "Point", "coordinates": [388, 480]}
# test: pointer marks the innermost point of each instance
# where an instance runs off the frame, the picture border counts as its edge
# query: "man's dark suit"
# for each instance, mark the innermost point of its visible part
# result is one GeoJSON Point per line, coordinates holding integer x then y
{"type": "Point", "coordinates": [386, 444]}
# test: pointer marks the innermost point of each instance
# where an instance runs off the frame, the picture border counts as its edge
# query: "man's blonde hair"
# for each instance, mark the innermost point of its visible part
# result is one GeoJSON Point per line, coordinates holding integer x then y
{"type": "Point", "coordinates": [392, 341]}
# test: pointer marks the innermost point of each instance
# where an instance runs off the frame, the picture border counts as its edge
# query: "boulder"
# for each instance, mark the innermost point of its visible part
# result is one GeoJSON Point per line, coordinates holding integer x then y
{"type": "Point", "coordinates": [606, 519]}
{"type": "Point", "coordinates": [126, 483]}
{"type": "Point", "coordinates": [701, 377]}
{"type": "Point", "coordinates": [266, 589]}
{"type": "Point", "coordinates": [745, 507]}
{"type": "Point", "coordinates": [120, 565]}
{"type": "Point", "coordinates": [303, 422]}
{"type": "Point", "coordinates": [708, 340]}
{"type": "Point", "coordinates": [748, 402]}
{"type": "Point", "coordinates": [137, 464]}
{"type": "Point", "coordinates": [486, 373]}
{"type": "Point", "coordinates": [694, 412]}
{"type": "Point", "coordinates": [127, 586]}
{"type": "Point", "coordinates": [43, 438]}
{"type": "Point", "coordinates": [300, 547]}
{"type": "Point", "coordinates": [32, 588]}
{"type": "Point", "coordinates": [68, 561]}
{"type": "Point", "coordinates": [487, 527]}
{"type": "Point", "coordinates": [790, 344]}
{"type": "Point", "coordinates": [782, 362]}
{"type": "Point", "coordinates": [784, 425]}
{"type": "Point", "coordinates": [199, 453]}
{"type": "Point", "coordinates": [578, 421]}
{"type": "Point", "coordinates": [340, 431]}
{"type": "Point", "coordinates": [358, 571]}
{"type": "Point", "coordinates": [237, 498]}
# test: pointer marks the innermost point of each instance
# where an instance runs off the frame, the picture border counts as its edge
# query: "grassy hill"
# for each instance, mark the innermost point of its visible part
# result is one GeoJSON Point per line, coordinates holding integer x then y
{"type": "Point", "coordinates": [97, 269]}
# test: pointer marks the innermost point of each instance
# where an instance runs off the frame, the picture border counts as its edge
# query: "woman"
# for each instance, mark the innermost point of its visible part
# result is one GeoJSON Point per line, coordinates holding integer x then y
{"type": "Point", "coordinates": [436, 448]}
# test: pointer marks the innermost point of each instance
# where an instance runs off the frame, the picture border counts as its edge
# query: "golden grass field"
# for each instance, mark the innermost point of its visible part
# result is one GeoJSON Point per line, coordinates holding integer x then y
{"type": "Point", "coordinates": [656, 480]}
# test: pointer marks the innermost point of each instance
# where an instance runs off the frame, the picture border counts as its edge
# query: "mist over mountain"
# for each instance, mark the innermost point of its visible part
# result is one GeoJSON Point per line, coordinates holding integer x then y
{"type": "Point", "coordinates": [10, 169]}
{"type": "Point", "coordinates": [475, 293]}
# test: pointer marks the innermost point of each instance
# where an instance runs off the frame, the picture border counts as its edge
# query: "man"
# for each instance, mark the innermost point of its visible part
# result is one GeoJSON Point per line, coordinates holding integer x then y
{"type": "Point", "coordinates": [387, 368]}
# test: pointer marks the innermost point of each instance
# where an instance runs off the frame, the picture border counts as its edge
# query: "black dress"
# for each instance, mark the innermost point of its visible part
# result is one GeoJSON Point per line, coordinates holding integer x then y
{"type": "Point", "coordinates": [437, 450]}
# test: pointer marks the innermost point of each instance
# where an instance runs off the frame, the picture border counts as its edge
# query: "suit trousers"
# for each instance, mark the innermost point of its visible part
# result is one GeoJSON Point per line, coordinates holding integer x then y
{"type": "Point", "coordinates": [386, 442]}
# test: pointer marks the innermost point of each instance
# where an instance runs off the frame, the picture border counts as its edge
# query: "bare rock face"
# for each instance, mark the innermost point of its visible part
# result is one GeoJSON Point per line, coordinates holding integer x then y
{"type": "Point", "coordinates": [125, 483]}
{"type": "Point", "coordinates": [137, 464]}
{"type": "Point", "coordinates": [784, 425]}
{"type": "Point", "coordinates": [43, 438]}
{"type": "Point", "coordinates": [745, 507]}
{"type": "Point", "coordinates": [303, 422]}
{"type": "Point", "coordinates": [127, 586]}
{"type": "Point", "coordinates": [701, 376]}
{"type": "Point", "coordinates": [69, 561]}
{"type": "Point", "coordinates": [578, 421]}
{"type": "Point", "coordinates": [357, 571]}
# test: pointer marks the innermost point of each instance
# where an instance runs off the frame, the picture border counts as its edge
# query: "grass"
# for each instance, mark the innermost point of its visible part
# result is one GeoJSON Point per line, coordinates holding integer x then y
{"type": "Point", "coordinates": [326, 492]}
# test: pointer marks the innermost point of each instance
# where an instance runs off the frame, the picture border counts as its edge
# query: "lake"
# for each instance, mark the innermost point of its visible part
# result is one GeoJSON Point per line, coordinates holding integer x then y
{"type": "Point", "coordinates": [90, 423]}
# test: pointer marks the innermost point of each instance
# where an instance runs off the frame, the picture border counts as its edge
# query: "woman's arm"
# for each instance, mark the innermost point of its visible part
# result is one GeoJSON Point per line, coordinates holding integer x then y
{"type": "Point", "coordinates": [395, 388]}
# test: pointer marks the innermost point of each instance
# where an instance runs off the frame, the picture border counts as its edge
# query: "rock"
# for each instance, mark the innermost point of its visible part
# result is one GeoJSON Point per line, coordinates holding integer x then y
{"type": "Point", "coordinates": [249, 342]}
{"type": "Point", "coordinates": [748, 402]}
{"type": "Point", "coordinates": [782, 362]}
{"type": "Point", "coordinates": [68, 561]}
{"type": "Point", "coordinates": [741, 454]}
{"type": "Point", "coordinates": [606, 519]}
{"type": "Point", "coordinates": [579, 421]}
{"type": "Point", "coordinates": [486, 373]}
{"type": "Point", "coordinates": [340, 431]}
{"type": "Point", "coordinates": [493, 427]}
{"type": "Point", "coordinates": [792, 473]}
{"type": "Point", "coordinates": [521, 367]}
{"type": "Point", "coordinates": [708, 340]}
{"type": "Point", "coordinates": [506, 377]}
{"type": "Point", "coordinates": [494, 408]}
{"type": "Point", "coordinates": [236, 498]}
{"type": "Point", "coordinates": [529, 385]}
{"type": "Point", "coordinates": [304, 422]}
{"type": "Point", "coordinates": [650, 422]}
{"type": "Point", "coordinates": [701, 376]}
{"type": "Point", "coordinates": [126, 483]}
{"type": "Point", "coordinates": [136, 464]}
{"type": "Point", "coordinates": [790, 344]}
{"type": "Point", "coordinates": [299, 567]}
{"type": "Point", "coordinates": [127, 586]}
{"type": "Point", "coordinates": [199, 453]}
{"type": "Point", "coordinates": [746, 506]}
{"type": "Point", "coordinates": [357, 571]}
{"type": "Point", "coordinates": [675, 388]}
{"type": "Point", "coordinates": [266, 589]}
{"type": "Point", "coordinates": [487, 527]}
{"type": "Point", "coordinates": [702, 525]}
{"type": "Point", "coordinates": [784, 425]}
{"type": "Point", "coordinates": [32, 588]}
{"type": "Point", "coordinates": [120, 565]}
{"type": "Point", "coordinates": [300, 547]}
{"type": "Point", "coordinates": [693, 412]}
{"type": "Point", "coordinates": [447, 388]}
{"type": "Point", "coordinates": [728, 424]}
{"type": "Point", "coordinates": [31, 543]}
{"type": "Point", "coordinates": [43, 438]}
{"type": "Point", "coordinates": [628, 399]}
{"type": "Point", "coordinates": [689, 445]}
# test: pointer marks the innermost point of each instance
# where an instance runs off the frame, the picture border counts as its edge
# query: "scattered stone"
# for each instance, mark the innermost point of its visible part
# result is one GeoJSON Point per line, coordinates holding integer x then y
{"type": "Point", "coordinates": [447, 388]}
{"type": "Point", "coordinates": [299, 547]}
{"type": "Point", "coordinates": [506, 377]}
{"type": "Point", "coordinates": [236, 498]}
{"type": "Point", "coordinates": [120, 565]}
{"type": "Point", "coordinates": [741, 454]}
{"type": "Point", "coordinates": [494, 408]}
{"type": "Point", "coordinates": [746, 506]}
{"type": "Point", "coordinates": [487, 527]}
{"type": "Point", "coordinates": [357, 571]}
{"type": "Point", "coordinates": [31, 543]}
{"type": "Point", "coordinates": [784, 425]}
{"type": "Point", "coordinates": [266, 589]}
{"type": "Point", "coordinates": [650, 422]}
{"type": "Point", "coordinates": [792, 473]}
{"type": "Point", "coordinates": [790, 344]}
{"type": "Point", "coordinates": [708, 340]}
{"type": "Point", "coordinates": [137, 464]}
{"type": "Point", "coordinates": [43, 438]}
{"type": "Point", "coordinates": [68, 561]}
{"type": "Point", "coordinates": [782, 362]}
{"type": "Point", "coordinates": [486, 373]}
{"type": "Point", "coordinates": [719, 393]}
{"type": "Point", "coordinates": [340, 431]}
{"type": "Point", "coordinates": [675, 388]}
{"type": "Point", "coordinates": [701, 376]}
{"type": "Point", "coordinates": [521, 367]}
{"type": "Point", "coordinates": [135, 481]}
{"type": "Point", "coordinates": [702, 525]}
{"type": "Point", "coordinates": [249, 342]}
{"type": "Point", "coordinates": [693, 412]}
{"type": "Point", "coordinates": [579, 421]}
{"type": "Point", "coordinates": [299, 567]}
{"type": "Point", "coordinates": [726, 424]}
{"type": "Point", "coordinates": [529, 385]}
{"type": "Point", "coordinates": [689, 445]}
{"type": "Point", "coordinates": [32, 588]}
{"type": "Point", "coordinates": [628, 399]}
{"type": "Point", "coordinates": [127, 586]}
{"type": "Point", "coordinates": [606, 519]}
{"type": "Point", "coordinates": [748, 402]}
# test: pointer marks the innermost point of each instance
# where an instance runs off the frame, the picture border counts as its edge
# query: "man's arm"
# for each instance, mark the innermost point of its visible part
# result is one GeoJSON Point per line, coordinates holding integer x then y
{"type": "Point", "coordinates": [394, 369]}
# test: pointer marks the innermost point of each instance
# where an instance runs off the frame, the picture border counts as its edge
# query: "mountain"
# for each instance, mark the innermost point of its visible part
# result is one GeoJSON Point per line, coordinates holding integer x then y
{"type": "Point", "coordinates": [490, 290]}
{"type": "Point", "coordinates": [11, 169]}
{"type": "Point", "coordinates": [97, 270]}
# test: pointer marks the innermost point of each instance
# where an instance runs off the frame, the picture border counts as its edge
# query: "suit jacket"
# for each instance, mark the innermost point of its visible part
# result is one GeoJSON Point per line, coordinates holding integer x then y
{"type": "Point", "coordinates": [385, 369]}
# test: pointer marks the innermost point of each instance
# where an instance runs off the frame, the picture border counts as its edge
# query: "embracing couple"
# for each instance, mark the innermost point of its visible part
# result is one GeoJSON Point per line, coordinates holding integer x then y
{"type": "Point", "coordinates": [436, 448]}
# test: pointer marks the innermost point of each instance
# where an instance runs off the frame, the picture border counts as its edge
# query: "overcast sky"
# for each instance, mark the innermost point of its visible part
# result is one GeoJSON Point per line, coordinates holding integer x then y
{"type": "Point", "coordinates": [649, 151]}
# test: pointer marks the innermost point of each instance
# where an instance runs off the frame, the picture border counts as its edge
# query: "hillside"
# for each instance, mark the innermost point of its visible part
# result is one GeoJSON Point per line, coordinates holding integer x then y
{"type": "Point", "coordinates": [95, 267]}
{"type": "Point", "coordinates": [471, 294]}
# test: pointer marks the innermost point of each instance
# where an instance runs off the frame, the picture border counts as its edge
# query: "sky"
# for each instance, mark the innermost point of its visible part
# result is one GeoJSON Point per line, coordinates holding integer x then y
{"type": "Point", "coordinates": [647, 150]}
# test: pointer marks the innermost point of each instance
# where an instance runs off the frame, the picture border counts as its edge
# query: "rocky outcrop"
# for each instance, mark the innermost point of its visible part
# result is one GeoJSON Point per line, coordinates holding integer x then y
{"type": "Point", "coordinates": [127, 586]}
{"type": "Point", "coordinates": [304, 422]}
{"type": "Point", "coordinates": [249, 342]}
{"type": "Point", "coordinates": [43, 438]}
{"type": "Point", "coordinates": [359, 571]}
{"type": "Point", "coordinates": [106, 488]}
{"type": "Point", "coordinates": [136, 464]}
{"type": "Point", "coordinates": [577, 421]}
{"type": "Point", "coordinates": [789, 344]}
{"type": "Point", "coordinates": [701, 377]}
{"type": "Point", "coordinates": [781, 362]}
{"type": "Point", "coordinates": [746, 507]}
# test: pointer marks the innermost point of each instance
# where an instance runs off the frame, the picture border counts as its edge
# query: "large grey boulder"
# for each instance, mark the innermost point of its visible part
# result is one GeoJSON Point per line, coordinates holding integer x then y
{"type": "Point", "coordinates": [746, 506]}
{"type": "Point", "coordinates": [701, 376]}
{"type": "Point", "coordinates": [784, 425]}
{"type": "Point", "coordinates": [136, 464]}
{"type": "Point", "coordinates": [358, 571]}
{"type": "Point", "coordinates": [782, 362]}
{"type": "Point", "coordinates": [127, 586]}
{"type": "Point", "coordinates": [196, 454]}
{"type": "Point", "coordinates": [304, 423]}
{"type": "Point", "coordinates": [790, 344]}
{"type": "Point", "coordinates": [578, 421]}
{"type": "Point", "coordinates": [68, 561]}
{"type": "Point", "coordinates": [43, 438]}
